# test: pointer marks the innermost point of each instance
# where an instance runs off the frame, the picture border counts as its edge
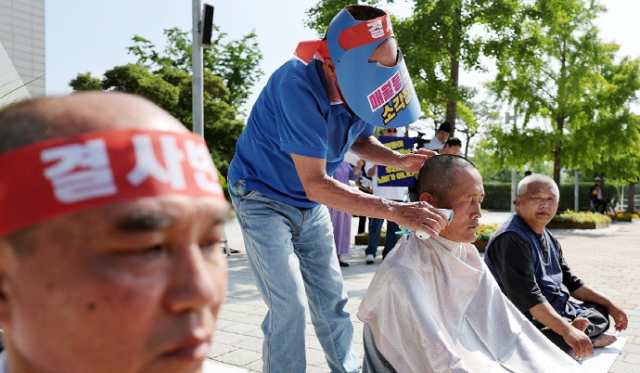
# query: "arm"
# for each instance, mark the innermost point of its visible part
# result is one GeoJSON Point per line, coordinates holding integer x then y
{"type": "Point", "coordinates": [325, 190]}
{"type": "Point", "coordinates": [373, 151]}
{"type": "Point", "coordinates": [575, 338]}
{"type": "Point", "coordinates": [511, 256]}
{"type": "Point", "coordinates": [355, 172]}
{"type": "Point", "coordinates": [587, 294]}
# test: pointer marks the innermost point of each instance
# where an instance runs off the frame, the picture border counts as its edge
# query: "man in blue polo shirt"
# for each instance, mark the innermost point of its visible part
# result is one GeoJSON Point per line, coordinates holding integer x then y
{"type": "Point", "coordinates": [312, 110]}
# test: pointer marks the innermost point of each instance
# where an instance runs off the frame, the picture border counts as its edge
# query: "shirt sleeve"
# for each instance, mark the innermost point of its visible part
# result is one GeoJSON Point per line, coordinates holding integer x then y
{"type": "Point", "coordinates": [571, 281]}
{"type": "Point", "coordinates": [302, 127]}
{"type": "Point", "coordinates": [511, 256]}
{"type": "Point", "coordinates": [369, 130]}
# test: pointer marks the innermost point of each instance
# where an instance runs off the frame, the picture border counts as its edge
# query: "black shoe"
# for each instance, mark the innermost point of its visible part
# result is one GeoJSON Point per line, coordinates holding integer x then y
{"type": "Point", "coordinates": [343, 264]}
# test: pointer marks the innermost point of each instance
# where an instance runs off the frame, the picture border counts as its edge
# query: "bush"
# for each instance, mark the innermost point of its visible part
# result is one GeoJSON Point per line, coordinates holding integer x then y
{"type": "Point", "coordinates": [580, 217]}
{"type": "Point", "coordinates": [627, 215]}
{"type": "Point", "coordinates": [498, 195]}
{"type": "Point", "coordinates": [485, 231]}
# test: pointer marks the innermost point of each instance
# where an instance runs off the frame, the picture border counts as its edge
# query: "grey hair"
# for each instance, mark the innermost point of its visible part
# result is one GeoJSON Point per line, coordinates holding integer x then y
{"type": "Point", "coordinates": [523, 185]}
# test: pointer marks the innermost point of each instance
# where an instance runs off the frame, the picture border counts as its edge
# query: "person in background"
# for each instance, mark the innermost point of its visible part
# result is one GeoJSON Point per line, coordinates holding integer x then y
{"type": "Point", "coordinates": [596, 194]}
{"type": "Point", "coordinates": [441, 137]}
{"type": "Point", "coordinates": [527, 173]}
{"type": "Point", "coordinates": [451, 146]}
{"type": "Point", "coordinates": [340, 220]}
{"type": "Point", "coordinates": [396, 194]}
{"type": "Point", "coordinates": [365, 185]}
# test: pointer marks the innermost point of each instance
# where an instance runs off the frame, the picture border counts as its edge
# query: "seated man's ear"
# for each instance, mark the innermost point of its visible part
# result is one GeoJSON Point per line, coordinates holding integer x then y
{"type": "Point", "coordinates": [429, 198]}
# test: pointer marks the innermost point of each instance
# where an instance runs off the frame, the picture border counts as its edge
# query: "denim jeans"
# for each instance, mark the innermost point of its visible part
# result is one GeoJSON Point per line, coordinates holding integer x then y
{"type": "Point", "coordinates": [375, 227]}
{"type": "Point", "coordinates": [292, 256]}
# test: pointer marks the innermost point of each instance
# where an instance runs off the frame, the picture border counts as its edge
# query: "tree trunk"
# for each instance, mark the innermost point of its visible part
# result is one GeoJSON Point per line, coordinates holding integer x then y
{"type": "Point", "coordinates": [452, 105]}
{"type": "Point", "coordinates": [466, 147]}
{"type": "Point", "coordinates": [631, 203]}
{"type": "Point", "coordinates": [557, 159]}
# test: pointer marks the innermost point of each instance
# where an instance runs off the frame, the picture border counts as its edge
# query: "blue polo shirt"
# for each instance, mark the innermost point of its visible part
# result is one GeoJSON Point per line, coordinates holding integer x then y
{"type": "Point", "coordinates": [293, 116]}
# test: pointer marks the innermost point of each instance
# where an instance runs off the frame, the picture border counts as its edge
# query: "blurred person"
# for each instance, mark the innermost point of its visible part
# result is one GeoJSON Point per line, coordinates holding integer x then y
{"type": "Point", "coordinates": [110, 217]}
{"type": "Point", "coordinates": [441, 137]}
{"type": "Point", "coordinates": [365, 185]}
{"type": "Point", "coordinates": [433, 306]}
{"type": "Point", "coordinates": [452, 146]}
{"type": "Point", "coordinates": [341, 221]}
{"type": "Point", "coordinates": [391, 193]}
{"type": "Point", "coordinates": [528, 263]}
{"type": "Point", "coordinates": [597, 197]}
{"type": "Point", "coordinates": [527, 173]}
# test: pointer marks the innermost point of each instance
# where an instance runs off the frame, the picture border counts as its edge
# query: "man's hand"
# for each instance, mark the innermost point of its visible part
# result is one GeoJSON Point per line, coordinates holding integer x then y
{"type": "Point", "coordinates": [413, 161]}
{"type": "Point", "coordinates": [619, 316]}
{"type": "Point", "coordinates": [579, 342]}
{"type": "Point", "coordinates": [419, 216]}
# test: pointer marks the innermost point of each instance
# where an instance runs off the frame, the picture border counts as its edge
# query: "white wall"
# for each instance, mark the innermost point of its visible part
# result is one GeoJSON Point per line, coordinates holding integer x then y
{"type": "Point", "coordinates": [22, 34]}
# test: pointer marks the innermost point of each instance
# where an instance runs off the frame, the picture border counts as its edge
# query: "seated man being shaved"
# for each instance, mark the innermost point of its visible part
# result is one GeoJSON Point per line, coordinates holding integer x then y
{"type": "Point", "coordinates": [110, 217]}
{"type": "Point", "coordinates": [434, 307]}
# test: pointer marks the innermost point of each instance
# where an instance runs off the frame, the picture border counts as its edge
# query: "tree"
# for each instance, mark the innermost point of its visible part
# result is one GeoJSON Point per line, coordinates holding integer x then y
{"type": "Point", "coordinates": [440, 38]}
{"type": "Point", "coordinates": [165, 78]}
{"type": "Point", "coordinates": [237, 61]}
{"type": "Point", "coordinates": [623, 164]}
{"type": "Point", "coordinates": [567, 76]}
{"type": "Point", "coordinates": [474, 117]}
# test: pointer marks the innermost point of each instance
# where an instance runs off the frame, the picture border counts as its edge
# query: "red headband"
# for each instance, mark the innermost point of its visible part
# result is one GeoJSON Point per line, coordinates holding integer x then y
{"type": "Point", "coordinates": [307, 49]}
{"type": "Point", "coordinates": [353, 37]}
{"type": "Point", "coordinates": [365, 33]}
{"type": "Point", "coordinates": [56, 177]}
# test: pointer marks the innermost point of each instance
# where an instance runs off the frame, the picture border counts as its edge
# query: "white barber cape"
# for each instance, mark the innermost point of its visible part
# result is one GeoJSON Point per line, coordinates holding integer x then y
{"type": "Point", "coordinates": [433, 306]}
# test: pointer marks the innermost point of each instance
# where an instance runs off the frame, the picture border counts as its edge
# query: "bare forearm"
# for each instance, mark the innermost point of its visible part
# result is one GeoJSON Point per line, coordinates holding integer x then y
{"type": "Point", "coordinates": [341, 197]}
{"type": "Point", "coordinates": [587, 294]}
{"type": "Point", "coordinates": [544, 313]}
{"type": "Point", "coordinates": [372, 150]}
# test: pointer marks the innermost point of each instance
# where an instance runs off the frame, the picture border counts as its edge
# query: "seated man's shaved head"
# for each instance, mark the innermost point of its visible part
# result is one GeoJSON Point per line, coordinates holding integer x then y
{"type": "Point", "coordinates": [131, 286]}
{"type": "Point", "coordinates": [453, 182]}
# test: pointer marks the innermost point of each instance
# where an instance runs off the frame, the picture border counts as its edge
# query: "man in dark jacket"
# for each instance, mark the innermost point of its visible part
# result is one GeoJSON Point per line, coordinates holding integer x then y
{"type": "Point", "coordinates": [528, 263]}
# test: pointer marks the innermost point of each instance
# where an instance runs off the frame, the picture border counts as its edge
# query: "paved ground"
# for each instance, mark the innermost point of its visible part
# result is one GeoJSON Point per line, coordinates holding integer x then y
{"type": "Point", "coordinates": [608, 259]}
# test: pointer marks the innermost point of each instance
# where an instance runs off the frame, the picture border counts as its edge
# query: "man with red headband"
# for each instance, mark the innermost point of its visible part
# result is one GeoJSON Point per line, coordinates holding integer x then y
{"type": "Point", "coordinates": [310, 113]}
{"type": "Point", "coordinates": [110, 217]}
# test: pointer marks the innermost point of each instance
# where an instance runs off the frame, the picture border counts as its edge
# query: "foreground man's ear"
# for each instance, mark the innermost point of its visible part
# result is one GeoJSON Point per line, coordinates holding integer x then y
{"type": "Point", "coordinates": [5, 251]}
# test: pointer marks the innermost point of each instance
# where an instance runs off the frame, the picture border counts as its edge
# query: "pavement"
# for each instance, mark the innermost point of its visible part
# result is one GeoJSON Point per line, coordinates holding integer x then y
{"type": "Point", "coordinates": [607, 259]}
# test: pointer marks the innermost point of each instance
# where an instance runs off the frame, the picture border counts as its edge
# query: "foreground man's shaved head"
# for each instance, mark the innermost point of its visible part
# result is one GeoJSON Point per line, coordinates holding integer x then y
{"type": "Point", "coordinates": [54, 117]}
{"type": "Point", "coordinates": [130, 286]}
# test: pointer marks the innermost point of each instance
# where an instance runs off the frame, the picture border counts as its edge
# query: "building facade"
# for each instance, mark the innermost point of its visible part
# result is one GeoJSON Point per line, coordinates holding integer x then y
{"type": "Point", "coordinates": [22, 47]}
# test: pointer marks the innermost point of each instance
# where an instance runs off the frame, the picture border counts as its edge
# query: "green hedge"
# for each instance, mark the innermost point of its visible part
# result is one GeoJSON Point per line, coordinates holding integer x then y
{"type": "Point", "coordinates": [498, 195]}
